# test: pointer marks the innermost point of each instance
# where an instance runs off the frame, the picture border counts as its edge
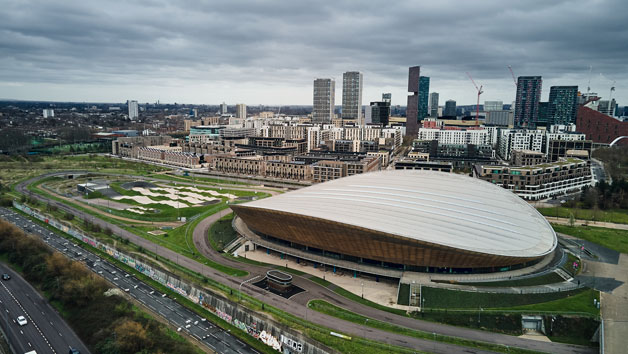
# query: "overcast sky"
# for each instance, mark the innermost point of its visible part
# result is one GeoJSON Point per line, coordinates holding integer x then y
{"type": "Point", "coordinates": [269, 52]}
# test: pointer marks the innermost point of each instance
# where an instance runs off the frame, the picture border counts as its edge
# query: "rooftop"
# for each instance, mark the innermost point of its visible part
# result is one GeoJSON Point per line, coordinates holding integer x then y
{"type": "Point", "coordinates": [440, 208]}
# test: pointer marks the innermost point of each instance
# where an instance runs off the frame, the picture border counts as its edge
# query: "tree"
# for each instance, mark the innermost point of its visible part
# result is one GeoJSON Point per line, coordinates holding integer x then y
{"type": "Point", "coordinates": [572, 220]}
{"type": "Point", "coordinates": [131, 337]}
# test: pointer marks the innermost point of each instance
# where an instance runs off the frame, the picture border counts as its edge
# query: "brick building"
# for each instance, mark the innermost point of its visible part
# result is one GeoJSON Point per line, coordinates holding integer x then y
{"type": "Point", "coordinates": [599, 127]}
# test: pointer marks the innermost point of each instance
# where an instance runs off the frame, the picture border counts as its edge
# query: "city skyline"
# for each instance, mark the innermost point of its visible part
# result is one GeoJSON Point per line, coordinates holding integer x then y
{"type": "Point", "coordinates": [258, 54]}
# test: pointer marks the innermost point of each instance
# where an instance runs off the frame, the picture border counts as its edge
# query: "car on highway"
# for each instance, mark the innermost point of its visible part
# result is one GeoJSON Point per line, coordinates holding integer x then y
{"type": "Point", "coordinates": [5, 276]}
{"type": "Point", "coordinates": [73, 351]}
{"type": "Point", "coordinates": [21, 320]}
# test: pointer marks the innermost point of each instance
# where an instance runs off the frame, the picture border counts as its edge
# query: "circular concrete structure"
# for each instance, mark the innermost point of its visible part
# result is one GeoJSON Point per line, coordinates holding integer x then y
{"type": "Point", "coordinates": [408, 218]}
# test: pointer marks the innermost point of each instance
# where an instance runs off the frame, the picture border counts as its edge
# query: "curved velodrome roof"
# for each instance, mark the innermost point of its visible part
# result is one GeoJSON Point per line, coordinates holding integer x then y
{"type": "Point", "coordinates": [441, 208]}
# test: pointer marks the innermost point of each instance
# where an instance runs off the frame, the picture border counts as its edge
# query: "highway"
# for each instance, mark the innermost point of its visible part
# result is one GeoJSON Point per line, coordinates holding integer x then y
{"type": "Point", "coordinates": [183, 319]}
{"type": "Point", "coordinates": [45, 332]}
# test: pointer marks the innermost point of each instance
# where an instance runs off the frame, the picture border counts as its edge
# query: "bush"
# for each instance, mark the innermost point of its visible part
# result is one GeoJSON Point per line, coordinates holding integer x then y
{"type": "Point", "coordinates": [107, 324]}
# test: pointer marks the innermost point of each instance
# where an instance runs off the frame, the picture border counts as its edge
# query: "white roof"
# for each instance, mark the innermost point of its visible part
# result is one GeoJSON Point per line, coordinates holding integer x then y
{"type": "Point", "coordinates": [440, 208]}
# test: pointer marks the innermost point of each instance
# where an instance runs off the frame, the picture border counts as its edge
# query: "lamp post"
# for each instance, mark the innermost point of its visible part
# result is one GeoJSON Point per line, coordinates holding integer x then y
{"type": "Point", "coordinates": [363, 290]}
{"type": "Point", "coordinates": [240, 287]}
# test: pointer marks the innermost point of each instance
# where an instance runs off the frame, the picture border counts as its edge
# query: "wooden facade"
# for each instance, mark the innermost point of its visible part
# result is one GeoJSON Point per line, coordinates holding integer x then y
{"type": "Point", "coordinates": [361, 242]}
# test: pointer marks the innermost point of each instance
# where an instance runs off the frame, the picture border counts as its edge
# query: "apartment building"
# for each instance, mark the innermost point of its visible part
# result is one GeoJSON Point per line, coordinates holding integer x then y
{"type": "Point", "coordinates": [540, 181]}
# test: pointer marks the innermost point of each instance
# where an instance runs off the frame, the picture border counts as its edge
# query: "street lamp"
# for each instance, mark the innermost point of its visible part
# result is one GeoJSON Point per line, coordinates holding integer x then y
{"type": "Point", "coordinates": [240, 287]}
{"type": "Point", "coordinates": [363, 291]}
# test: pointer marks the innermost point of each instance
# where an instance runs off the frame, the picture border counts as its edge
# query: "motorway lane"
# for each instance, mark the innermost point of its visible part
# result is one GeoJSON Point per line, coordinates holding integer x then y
{"type": "Point", "coordinates": [176, 314]}
{"type": "Point", "coordinates": [46, 331]}
{"type": "Point", "coordinates": [297, 307]}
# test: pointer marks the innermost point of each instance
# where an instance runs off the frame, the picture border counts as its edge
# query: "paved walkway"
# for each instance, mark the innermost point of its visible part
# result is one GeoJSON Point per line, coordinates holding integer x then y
{"type": "Point", "coordinates": [614, 304]}
{"type": "Point", "coordinates": [580, 222]}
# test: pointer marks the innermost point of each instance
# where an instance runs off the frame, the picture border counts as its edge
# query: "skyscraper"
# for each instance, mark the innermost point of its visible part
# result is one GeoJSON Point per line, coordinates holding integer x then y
{"type": "Point", "coordinates": [324, 101]}
{"type": "Point", "coordinates": [386, 97]}
{"type": "Point", "coordinates": [450, 109]}
{"type": "Point", "coordinates": [434, 105]}
{"type": "Point", "coordinates": [240, 110]}
{"type": "Point", "coordinates": [527, 101]}
{"type": "Point", "coordinates": [563, 105]}
{"type": "Point", "coordinates": [412, 110]}
{"type": "Point", "coordinates": [223, 108]}
{"type": "Point", "coordinates": [133, 109]}
{"type": "Point", "coordinates": [424, 92]}
{"type": "Point", "coordinates": [352, 96]}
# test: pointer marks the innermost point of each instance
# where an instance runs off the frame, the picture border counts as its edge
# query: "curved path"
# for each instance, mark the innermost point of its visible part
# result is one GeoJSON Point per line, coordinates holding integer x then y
{"type": "Point", "coordinates": [297, 305]}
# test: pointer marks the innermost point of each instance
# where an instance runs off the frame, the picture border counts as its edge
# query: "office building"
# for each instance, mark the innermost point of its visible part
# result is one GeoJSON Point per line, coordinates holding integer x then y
{"type": "Point", "coordinates": [450, 109]}
{"type": "Point", "coordinates": [133, 109]}
{"type": "Point", "coordinates": [240, 110]}
{"type": "Point", "coordinates": [493, 106]}
{"type": "Point", "coordinates": [563, 105]}
{"type": "Point", "coordinates": [434, 105]}
{"type": "Point", "coordinates": [352, 82]}
{"type": "Point", "coordinates": [387, 97]}
{"type": "Point", "coordinates": [424, 89]}
{"type": "Point", "coordinates": [223, 108]}
{"type": "Point", "coordinates": [527, 101]}
{"type": "Point", "coordinates": [499, 118]}
{"type": "Point", "coordinates": [379, 113]}
{"type": "Point", "coordinates": [412, 109]}
{"type": "Point", "coordinates": [324, 101]}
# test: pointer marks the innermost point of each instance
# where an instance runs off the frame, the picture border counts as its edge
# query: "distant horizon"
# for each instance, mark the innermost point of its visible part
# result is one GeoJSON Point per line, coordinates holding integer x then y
{"type": "Point", "coordinates": [207, 104]}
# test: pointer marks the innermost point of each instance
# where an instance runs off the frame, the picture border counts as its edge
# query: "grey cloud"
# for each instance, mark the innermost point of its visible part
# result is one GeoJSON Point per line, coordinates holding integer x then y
{"type": "Point", "coordinates": [283, 45]}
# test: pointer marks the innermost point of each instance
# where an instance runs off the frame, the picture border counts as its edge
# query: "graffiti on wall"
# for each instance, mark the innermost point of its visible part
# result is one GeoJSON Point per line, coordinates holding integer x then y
{"type": "Point", "coordinates": [163, 278]}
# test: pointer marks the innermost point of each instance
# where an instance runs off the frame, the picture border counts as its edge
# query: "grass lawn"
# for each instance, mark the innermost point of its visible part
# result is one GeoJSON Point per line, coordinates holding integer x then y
{"type": "Point", "coordinates": [332, 310]}
{"type": "Point", "coordinates": [178, 240]}
{"type": "Point", "coordinates": [610, 238]}
{"type": "Point", "coordinates": [438, 298]}
{"type": "Point", "coordinates": [619, 216]}
{"type": "Point", "coordinates": [580, 302]}
{"type": "Point", "coordinates": [222, 233]}
{"type": "Point", "coordinates": [549, 278]}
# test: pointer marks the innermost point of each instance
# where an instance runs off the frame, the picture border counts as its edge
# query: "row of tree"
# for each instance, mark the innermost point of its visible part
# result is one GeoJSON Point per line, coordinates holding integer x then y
{"type": "Point", "coordinates": [106, 323]}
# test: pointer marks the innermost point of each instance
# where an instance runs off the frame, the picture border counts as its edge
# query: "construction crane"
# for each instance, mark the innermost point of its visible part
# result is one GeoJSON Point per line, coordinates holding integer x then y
{"type": "Point", "coordinates": [589, 83]}
{"type": "Point", "coordinates": [477, 107]}
{"type": "Point", "coordinates": [513, 75]}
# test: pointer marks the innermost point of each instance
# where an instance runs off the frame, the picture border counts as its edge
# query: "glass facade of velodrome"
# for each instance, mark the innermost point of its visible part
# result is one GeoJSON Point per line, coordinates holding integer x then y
{"type": "Point", "coordinates": [411, 219]}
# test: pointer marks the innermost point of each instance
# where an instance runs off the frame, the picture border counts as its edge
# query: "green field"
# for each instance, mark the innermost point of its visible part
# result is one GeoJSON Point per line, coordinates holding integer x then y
{"type": "Point", "coordinates": [568, 301]}
{"type": "Point", "coordinates": [222, 233]}
{"type": "Point", "coordinates": [549, 278]}
{"type": "Point", "coordinates": [619, 216]}
{"type": "Point", "coordinates": [611, 238]}
{"type": "Point", "coordinates": [332, 310]}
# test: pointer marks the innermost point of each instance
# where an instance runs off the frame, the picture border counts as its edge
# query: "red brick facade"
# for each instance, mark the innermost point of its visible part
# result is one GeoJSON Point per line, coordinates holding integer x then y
{"type": "Point", "coordinates": [599, 127]}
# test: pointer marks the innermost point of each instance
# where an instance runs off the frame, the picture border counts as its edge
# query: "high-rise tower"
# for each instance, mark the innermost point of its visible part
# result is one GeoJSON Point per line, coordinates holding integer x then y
{"type": "Point", "coordinates": [133, 109]}
{"type": "Point", "coordinates": [352, 96]}
{"type": "Point", "coordinates": [424, 91]}
{"type": "Point", "coordinates": [527, 101]}
{"type": "Point", "coordinates": [563, 105]}
{"type": "Point", "coordinates": [434, 105]}
{"type": "Point", "coordinates": [324, 101]}
{"type": "Point", "coordinates": [412, 110]}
